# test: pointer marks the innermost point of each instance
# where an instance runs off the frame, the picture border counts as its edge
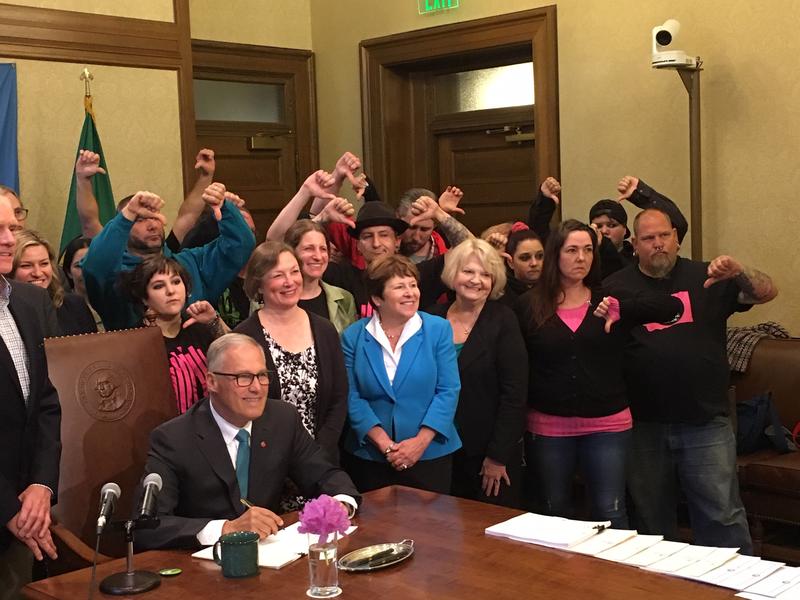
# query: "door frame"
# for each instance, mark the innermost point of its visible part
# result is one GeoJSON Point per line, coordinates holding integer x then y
{"type": "Point", "coordinates": [225, 61]}
{"type": "Point", "coordinates": [392, 103]}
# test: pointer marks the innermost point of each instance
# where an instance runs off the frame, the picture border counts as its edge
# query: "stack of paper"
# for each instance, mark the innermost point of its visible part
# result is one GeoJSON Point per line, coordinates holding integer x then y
{"type": "Point", "coordinates": [753, 578]}
{"type": "Point", "coordinates": [555, 532]}
{"type": "Point", "coordinates": [630, 547]}
{"type": "Point", "coordinates": [277, 550]}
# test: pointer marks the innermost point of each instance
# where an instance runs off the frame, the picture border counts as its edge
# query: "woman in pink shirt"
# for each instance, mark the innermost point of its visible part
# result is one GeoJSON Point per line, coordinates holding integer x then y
{"type": "Point", "coordinates": [578, 408]}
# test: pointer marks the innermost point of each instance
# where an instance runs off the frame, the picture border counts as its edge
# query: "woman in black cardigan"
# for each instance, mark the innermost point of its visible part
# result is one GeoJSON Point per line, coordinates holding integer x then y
{"type": "Point", "coordinates": [579, 411]}
{"type": "Point", "coordinates": [493, 367]}
{"type": "Point", "coordinates": [304, 356]}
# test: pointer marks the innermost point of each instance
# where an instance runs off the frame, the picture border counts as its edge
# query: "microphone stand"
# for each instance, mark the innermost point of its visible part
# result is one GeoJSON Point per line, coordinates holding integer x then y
{"type": "Point", "coordinates": [131, 582]}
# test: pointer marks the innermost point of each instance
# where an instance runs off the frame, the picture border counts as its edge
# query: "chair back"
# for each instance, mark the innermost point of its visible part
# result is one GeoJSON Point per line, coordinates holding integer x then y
{"type": "Point", "coordinates": [114, 390]}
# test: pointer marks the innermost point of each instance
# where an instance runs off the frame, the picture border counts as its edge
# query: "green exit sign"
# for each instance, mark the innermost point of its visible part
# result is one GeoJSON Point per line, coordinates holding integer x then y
{"type": "Point", "coordinates": [431, 6]}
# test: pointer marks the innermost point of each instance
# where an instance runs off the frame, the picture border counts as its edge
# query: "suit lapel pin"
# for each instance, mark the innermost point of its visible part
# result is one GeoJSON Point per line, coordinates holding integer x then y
{"type": "Point", "coordinates": [263, 444]}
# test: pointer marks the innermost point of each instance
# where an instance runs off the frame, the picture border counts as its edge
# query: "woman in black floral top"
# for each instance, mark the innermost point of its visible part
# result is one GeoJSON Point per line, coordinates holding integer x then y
{"type": "Point", "coordinates": [303, 353]}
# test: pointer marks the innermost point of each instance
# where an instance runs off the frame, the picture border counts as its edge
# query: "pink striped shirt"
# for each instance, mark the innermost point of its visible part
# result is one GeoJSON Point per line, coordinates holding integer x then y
{"type": "Point", "coordinates": [556, 426]}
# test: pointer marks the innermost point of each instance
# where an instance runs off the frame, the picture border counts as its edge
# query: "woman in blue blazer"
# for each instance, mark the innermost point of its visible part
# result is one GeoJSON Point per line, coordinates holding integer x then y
{"type": "Point", "coordinates": [404, 385]}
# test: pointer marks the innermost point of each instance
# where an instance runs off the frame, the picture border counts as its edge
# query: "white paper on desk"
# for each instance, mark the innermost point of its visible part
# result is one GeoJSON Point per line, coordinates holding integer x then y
{"type": "Point", "coordinates": [603, 541]}
{"type": "Point", "coordinates": [277, 550]}
{"type": "Point", "coordinates": [793, 593]}
{"type": "Point", "coordinates": [730, 569]}
{"type": "Point", "coordinates": [753, 574]}
{"type": "Point", "coordinates": [630, 547]}
{"type": "Point", "coordinates": [715, 559]}
{"type": "Point", "coordinates": [655, 553]}
{"type": "Point", "coordinates": [555, 532]}
{"type": "Point", "coordinates": [777, 583]}
{"type": "Point", "coordinates": [680, 559]}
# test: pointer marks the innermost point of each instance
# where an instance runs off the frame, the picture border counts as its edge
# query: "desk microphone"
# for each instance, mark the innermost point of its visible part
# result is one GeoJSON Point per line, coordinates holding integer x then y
{"type": "Point", "coordinates": [152, 485]}
{"type": "Point", "coordinates": [109, 495]}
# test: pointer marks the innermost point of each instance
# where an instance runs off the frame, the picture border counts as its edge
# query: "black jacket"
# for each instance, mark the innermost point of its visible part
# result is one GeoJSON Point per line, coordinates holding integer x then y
{"type": "Point", "coordinates": [494, 384]}
{"type": "Point", "coordinates": [331, 408]}
{"type": "Point", "coordinates": [30, 436]}
{"type": "Point", "coordinates": [199, 481]}
{"type": "Point", "coordinates": [581, 373]}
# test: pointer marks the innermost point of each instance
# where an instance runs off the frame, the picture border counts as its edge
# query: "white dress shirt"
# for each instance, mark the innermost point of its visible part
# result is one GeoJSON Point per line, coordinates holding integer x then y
{"type": "Point", "coordinates": [209, 534]}
{"type": "Point", "coordinates": [391, 357]}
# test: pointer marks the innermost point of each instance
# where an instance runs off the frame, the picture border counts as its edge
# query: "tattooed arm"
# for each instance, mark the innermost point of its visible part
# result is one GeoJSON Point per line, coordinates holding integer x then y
{"type": "Point", "coordinates": [756, 287]}
{"type": "Point", "coordinates": [427, 208]}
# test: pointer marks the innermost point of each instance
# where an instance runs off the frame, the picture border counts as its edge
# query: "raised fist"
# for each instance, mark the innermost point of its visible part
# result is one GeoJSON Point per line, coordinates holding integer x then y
{"type": "Point", "coordinates": [214, 196]}
{"type": "Point", "coordinates": [318, 183]}
{"type": "Point", "coordinates": [449, 200]}
{"type": "Point", "coordinates": [144, 205]}
{"type": "Point", "coordinates": [205, 164]}
{"type": "Point", "coordinates": [626, 186]}
{"type": "Point", "coordinates": [88, 165]}
{"type": "Point", "coordinates": [551, 188]}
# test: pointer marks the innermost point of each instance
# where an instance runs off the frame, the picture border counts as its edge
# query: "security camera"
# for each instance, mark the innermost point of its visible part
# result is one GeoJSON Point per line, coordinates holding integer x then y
{"type": "Point", "coordinates": [663, 36]}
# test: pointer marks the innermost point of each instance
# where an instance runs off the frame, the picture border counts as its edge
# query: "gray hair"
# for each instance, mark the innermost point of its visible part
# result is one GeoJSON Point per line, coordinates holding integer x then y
{"type": "Point", "coordinates": [218, 348]}
{"type": "Point", "coordinates": [408, 198]}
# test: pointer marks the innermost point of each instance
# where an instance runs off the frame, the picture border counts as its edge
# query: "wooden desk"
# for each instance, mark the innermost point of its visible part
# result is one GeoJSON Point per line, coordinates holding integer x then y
{"type": "Point", "coordinates": [453, 559]}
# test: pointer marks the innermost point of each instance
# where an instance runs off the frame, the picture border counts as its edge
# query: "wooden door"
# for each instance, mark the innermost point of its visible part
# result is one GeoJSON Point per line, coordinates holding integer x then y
{"type": "Point", "coordinates": [414, 137]}
{"type": "Point", "coordinates": [257, 163]}
{"type": "Point", "coordinates": [263, 152]}
{"type": "Point", "coordinates": [493, 164]}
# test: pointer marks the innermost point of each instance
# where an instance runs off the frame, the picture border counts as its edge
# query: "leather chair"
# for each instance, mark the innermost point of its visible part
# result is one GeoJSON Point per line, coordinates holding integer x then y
{"type": "Point", "coordinates": [769, 482]}
{"type": "Point", "coordinates": [114, 389]}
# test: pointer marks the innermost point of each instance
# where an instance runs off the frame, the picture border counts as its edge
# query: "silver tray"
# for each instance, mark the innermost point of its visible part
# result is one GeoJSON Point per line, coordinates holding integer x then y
{"type": "Point", "coordinates": [375, 557]}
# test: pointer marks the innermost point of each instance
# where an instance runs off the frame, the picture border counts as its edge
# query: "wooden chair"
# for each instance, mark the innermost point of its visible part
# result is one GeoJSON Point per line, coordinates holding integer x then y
{"type": "Point", "coordinates": [114, 390]}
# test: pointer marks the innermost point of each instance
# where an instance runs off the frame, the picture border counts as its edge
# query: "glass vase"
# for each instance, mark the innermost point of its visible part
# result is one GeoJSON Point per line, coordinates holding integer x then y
{"type": "Point", "coordinates": [323, 571]}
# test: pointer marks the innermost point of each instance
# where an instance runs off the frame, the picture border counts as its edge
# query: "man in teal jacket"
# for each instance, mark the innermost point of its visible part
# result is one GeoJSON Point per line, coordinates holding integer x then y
{"type": "Point", "coordinates": [138, 231]}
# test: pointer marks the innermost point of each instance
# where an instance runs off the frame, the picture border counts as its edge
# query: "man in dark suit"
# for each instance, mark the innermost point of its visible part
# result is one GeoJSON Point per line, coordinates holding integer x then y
{"type": "Point", "coordinates": [236, 445]}
{"type": "Point", "coordinates": [30, 421]}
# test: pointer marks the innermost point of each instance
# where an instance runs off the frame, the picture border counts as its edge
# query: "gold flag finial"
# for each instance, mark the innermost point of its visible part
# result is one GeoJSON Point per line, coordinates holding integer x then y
{"type": "Point", "coordinates": [87, 78]}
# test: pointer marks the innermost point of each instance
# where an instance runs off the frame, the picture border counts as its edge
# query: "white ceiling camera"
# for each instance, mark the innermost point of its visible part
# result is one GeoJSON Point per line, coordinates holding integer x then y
{"type": "Point", "coordinates": [663, 36]}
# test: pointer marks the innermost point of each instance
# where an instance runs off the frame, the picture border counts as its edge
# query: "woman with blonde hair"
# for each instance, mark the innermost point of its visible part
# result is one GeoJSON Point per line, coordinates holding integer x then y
{"type": "Point", "coordinates": [35, 263]}
{"type": "Point", "coordinates": [492, 364]}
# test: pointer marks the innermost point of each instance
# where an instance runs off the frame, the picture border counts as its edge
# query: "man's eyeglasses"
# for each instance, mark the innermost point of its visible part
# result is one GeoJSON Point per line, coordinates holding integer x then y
{"type": "Point", "coordinates": [20, 214]}
{"type": "Point", "coordinates": [246, 379]}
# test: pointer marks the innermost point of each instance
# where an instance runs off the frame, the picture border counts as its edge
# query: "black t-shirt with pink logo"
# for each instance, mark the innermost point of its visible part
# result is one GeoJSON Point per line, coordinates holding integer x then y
{"type": "Point", "coordinates": [187, 364]}
{"type": "Point", "coordinates": [679, 373]}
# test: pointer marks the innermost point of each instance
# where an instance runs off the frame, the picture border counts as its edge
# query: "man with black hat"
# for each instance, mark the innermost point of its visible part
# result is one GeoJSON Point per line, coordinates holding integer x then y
{"type": "Point", "coordinates": [611, 220]}
{"type": "Point", "coordinates": [377, 231]}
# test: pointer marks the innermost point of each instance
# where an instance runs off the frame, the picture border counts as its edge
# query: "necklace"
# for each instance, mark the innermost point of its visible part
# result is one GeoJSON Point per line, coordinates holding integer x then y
{"type": "Point", "coordinates": [389, 335]}
{"type": "Point", "coordinates": [466, 327]}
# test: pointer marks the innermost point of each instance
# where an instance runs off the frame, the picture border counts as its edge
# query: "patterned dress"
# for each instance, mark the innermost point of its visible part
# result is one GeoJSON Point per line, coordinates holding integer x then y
{"type": "Point", "coordinates": [298, 374]}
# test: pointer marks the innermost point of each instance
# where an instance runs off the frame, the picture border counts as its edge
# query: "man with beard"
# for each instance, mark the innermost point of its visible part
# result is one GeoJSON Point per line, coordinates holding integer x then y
{"type": "Point", "coordinates": [677, 378]}
{"type": "Point", "coordinates": [420, 241]}
{"type": "Point", "coordinates": [138, 231]}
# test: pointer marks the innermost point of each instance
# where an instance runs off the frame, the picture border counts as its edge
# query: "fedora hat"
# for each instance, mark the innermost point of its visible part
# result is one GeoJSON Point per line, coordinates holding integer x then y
{"type": "Point", "coordinates": [373, 214]}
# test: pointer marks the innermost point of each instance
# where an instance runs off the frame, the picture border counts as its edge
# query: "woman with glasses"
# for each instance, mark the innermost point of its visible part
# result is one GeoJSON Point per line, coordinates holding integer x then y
{"type": "Point", "coordinates": [159, 287]}
{"type": "Point", "coordinates": [304, 357]}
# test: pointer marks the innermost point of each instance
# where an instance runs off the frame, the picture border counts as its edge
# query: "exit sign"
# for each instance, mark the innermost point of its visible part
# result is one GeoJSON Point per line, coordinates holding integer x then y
{"type": "Point", "coordinates": [431, 6]}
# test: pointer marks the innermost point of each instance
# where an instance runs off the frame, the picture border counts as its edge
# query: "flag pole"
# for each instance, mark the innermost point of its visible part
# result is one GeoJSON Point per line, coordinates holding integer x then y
{"type": "Point", "coordinates": [87, 78]}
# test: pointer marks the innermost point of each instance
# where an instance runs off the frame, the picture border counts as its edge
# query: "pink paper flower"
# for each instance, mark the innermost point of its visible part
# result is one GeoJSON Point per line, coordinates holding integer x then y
{"type": "Point", "coordinates": [322, 517]}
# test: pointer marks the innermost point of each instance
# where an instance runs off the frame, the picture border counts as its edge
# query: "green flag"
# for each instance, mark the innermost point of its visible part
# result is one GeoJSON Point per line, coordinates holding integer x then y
{"type": "Point", "coordinates": [101, 184]}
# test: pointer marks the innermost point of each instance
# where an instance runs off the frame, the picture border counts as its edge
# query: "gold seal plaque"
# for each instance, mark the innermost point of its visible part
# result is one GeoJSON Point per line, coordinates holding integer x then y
{"type": "Point", "coordinates": [106, 391]}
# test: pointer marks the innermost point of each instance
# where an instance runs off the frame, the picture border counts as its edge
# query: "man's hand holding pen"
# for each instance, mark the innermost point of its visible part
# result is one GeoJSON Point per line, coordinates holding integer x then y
{"type": "Point", "coordinates": [261, 520]}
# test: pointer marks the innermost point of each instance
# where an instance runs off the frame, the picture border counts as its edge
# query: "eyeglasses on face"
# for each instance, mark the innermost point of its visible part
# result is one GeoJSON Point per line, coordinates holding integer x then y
{"type": "Point", "coordinates": [246, 379]}
{"type": "Point", "coordinates": [20, 214]}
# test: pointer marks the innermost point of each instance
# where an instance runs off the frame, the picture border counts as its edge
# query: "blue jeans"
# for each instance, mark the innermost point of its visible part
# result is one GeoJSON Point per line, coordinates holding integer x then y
{"type": "Point", "coordinates": [703, 459]}
{"type": "Point", "coordinates": [602, 459]}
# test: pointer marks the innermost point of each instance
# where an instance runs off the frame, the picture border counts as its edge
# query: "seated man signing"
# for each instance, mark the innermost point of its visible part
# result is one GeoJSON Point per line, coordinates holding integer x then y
{"type": "Point", "coordinates": [234, 446]}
